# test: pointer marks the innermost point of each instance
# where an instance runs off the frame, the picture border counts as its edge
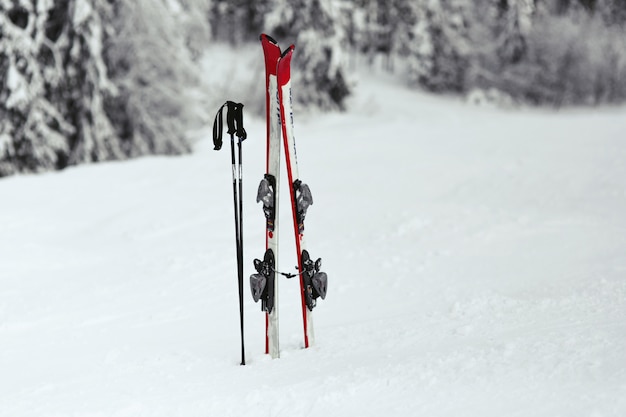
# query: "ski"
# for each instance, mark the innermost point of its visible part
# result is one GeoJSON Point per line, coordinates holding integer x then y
{"type": "Point", "coordinates": [264, 283]}
{"type": "Point", "coordinates": [313, 282]}
{"type": "Point", "coordinates": [268, 194]}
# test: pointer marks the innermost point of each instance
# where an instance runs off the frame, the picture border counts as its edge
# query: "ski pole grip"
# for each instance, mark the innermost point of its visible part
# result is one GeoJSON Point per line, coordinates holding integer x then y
{"type": "Point", "coordinates": [230, 117]}
{"type": "Point", "coordinates": [234, 122]}
{"type": "Point", "coordinates": [240, 131]}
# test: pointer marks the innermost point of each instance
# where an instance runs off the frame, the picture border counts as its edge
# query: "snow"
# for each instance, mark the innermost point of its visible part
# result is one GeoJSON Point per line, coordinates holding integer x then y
{"type": "Point", "coordinates": [18, 88]}
{"type": "Point", "coordinates": [476, 263]}
{"type": "Point", "coordinates": [82, 12]}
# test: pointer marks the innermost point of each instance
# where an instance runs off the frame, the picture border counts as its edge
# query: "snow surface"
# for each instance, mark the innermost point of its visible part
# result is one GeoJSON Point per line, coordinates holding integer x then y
{"type": "Point", "coordinates": [476, 262]}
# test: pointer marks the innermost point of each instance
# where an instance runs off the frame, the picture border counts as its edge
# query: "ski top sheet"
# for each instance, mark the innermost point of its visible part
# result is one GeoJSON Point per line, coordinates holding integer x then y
{"type": "Point", "coordinates": [271, 181]}
{"type": "Point", "coordinates": [286, 118]}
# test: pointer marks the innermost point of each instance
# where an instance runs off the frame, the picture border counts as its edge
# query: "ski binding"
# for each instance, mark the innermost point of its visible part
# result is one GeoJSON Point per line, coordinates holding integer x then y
{"type": "Point", "coordinates": [315, 281]}
{"type": "Point", "coordinates": [262, 283]}
{"type": "Point", "coordinates": [267, 194]}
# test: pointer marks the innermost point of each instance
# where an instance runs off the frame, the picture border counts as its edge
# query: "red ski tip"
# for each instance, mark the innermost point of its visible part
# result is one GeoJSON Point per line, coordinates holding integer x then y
{"type": "Point", "coordinates": [264, 36]}
{"type": "Point", "coordinates": [284, 66]}
{"type": "Point", "coordinates": [271, 52]}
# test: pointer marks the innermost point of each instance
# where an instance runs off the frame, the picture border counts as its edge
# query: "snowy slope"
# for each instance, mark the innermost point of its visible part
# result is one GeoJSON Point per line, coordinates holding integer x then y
{"type": "Point", "coordinates": [476, 261]}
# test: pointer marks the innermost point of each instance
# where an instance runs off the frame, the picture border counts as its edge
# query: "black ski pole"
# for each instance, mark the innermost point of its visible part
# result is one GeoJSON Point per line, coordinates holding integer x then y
{"type": "Point", "coordinates": [234, 121]}
{"type": "Point", "coordinates": [241, 134]}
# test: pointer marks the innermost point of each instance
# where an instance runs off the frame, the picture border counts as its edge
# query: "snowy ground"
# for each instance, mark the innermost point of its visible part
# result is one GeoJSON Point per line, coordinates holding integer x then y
{"type": "Point", "coordinates": [476, 261]}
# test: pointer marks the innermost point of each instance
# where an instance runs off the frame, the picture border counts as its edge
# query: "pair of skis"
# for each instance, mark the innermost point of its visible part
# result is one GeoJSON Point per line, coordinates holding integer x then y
{"type": "Point", "coordinates": [264, 284]}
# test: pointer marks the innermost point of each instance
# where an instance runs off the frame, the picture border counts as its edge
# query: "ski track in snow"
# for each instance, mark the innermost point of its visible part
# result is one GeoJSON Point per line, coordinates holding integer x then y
{"type": "Point", "coordinates": [476, 262]}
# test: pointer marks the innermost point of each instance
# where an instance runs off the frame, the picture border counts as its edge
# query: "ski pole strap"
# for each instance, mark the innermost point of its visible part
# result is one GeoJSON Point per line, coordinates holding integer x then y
{"type": "Point", "coordinates": [218, 125]}
{"type": "Point", "coordinates": [234, 122]}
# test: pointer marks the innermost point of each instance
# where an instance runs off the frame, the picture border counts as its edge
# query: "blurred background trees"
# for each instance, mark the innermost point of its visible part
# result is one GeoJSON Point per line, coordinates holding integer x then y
{"type": "Point", "coordinates": [96, 80]}
{"type": "Point", "coordinates": [90, 80]}
{"type": "Point", "coordinates": [547, 52]}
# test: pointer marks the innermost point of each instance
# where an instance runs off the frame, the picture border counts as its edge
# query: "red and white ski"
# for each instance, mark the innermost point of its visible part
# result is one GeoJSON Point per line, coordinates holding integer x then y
{"type": "Point", "coordinates": [313, 282]}
{"type": "Point", "coordinates": [301, 199]}
{"type": "Point", "coordinates": [268, 194]}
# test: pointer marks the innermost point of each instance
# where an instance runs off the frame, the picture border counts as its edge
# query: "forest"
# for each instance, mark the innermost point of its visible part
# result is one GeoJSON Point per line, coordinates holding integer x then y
{"type": "Point", "coordinates": [84, 81]}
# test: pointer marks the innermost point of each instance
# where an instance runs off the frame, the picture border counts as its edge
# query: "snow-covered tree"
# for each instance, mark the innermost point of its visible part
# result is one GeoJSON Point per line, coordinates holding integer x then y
{"type": "Point", "coordinates": [512, 24]}
{"type": "Point", "coordinates": [238, 21]}
{"type": "Point", "coordinates": [420, 46]}
{"type": "Point", "coordinates": [613, 12]}
{"type": "Point", "coordinates": [375, 28]}
{"type": "Point", "coordinates": [572, 58]}
{"type": "Point", "coordinates": [497, 36]}
{"type": "Point", "coordinates": [439, 47]}
{"type": "Point", "coordinates": [53, 75]}
{"type": "Point", "coordinates": [151, 65]}
{"type": "Point", "coordinates": [314, 26]}
{"type": "Point", "coordinates": [91, 80]}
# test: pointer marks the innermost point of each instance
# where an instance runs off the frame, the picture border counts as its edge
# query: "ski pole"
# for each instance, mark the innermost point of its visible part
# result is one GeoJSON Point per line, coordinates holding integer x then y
{"type": "Point", "coordinates": [239, 123]}
{"type": "Point", "coordinates": [234, 121]}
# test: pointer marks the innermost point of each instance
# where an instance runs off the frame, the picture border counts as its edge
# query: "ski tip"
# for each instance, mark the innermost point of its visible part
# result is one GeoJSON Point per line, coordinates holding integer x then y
{"type": "Point", "coordinates": [267, 37]}
{"type": "Point", "coordinates": [288, 51]}
{"type": "Point", "coordinates": [271, 52]}
{"type": "Point", "coordinates": [284, 66]}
